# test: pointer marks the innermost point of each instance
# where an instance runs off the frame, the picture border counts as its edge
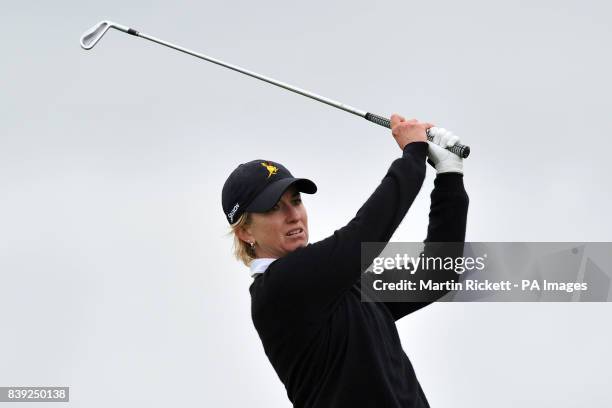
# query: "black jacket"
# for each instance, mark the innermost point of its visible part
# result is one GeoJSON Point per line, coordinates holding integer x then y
{"type": "Point", "coordinates": [328, 347]}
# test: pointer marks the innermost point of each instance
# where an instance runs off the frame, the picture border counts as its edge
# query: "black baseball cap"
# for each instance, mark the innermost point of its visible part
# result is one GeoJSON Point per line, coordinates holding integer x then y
{"type": "Point", "coordinates": [257, 186]}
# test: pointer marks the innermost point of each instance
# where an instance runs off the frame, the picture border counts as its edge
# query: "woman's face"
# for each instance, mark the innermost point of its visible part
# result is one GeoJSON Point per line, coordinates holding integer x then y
{"type": "Point", "coordinates": [281, 230]}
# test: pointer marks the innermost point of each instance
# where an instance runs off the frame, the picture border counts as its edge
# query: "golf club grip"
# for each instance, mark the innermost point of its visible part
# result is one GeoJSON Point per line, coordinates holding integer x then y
{"type": "Point", "coordinates": [460, 150]}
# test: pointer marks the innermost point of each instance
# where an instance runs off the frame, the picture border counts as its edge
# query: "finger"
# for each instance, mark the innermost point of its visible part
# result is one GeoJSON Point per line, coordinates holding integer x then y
{"type": "Point", "coordinates": [428, 125]}
{"type": "Point", "coordinates": [396, 119]}
{"type": "Point", "coordinates": [446, 137]}
{"type": "Point", "coordinates": [453, 140]}
{"type": "Point", "coordinates": [434, 131]}
{"type": "Point", "coordinates": [437, 135]}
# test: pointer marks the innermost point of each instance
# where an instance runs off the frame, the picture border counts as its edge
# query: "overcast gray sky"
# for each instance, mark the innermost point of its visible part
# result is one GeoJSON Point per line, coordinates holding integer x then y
{"type": "Point", "coordinates": [117, 276]}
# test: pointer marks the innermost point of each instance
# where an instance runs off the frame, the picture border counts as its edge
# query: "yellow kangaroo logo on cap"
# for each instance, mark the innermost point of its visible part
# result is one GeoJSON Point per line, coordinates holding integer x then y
{"type": "Point", "coordinates": [271, 169]}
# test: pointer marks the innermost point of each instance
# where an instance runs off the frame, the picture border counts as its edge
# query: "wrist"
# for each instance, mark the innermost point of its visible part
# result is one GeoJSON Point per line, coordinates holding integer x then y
{"type": "Point", "coordinates": [449, 168]}
{"type": "Point", "coordinates": [448, 181]}
{"type": "Point", "coordinates": [418, 148]}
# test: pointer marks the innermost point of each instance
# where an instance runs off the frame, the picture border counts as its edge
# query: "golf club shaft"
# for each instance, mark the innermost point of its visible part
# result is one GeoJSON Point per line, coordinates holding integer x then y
{"type": "Point", "coordinates": [256, 75]}
{"type": "Point", "coordinates": [459, 149]}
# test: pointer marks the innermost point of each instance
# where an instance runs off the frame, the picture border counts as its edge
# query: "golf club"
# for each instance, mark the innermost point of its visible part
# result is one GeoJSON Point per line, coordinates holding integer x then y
{"type": "Point", "coordinates": [92, 36]}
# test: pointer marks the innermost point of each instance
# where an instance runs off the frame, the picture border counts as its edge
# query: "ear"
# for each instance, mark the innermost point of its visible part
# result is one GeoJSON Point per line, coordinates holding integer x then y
{"type": "Point", "coordinates": [244, 234]}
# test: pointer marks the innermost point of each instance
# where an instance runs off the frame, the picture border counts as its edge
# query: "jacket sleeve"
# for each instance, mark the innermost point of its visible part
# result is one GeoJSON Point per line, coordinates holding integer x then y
{"type": "Point", "coordinates": [312, 278]}
{"type": "Point", "coordinates": [447, 223]}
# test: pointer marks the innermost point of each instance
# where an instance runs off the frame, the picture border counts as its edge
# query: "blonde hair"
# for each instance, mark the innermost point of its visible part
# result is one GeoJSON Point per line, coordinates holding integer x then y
{"type": "Point", "coordinates": [242, 250]}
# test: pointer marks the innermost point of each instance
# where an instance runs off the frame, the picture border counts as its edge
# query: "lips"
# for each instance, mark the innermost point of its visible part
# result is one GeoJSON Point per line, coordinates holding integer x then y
{"type": "Point", "coordinates": [295, 232]}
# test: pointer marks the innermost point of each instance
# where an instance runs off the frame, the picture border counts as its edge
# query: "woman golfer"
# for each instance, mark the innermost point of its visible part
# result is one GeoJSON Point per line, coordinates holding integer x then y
{"type": "Point", "coordinates": [328, 347]}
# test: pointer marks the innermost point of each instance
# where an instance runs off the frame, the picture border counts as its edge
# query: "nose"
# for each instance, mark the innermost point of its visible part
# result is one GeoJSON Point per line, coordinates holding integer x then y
{"type": "Point", "coordinates": [292, 214]}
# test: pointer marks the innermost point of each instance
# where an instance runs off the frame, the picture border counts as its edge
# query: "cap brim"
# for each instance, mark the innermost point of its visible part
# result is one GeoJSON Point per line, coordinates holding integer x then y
{"type": "Point", "coordinates": [273, 192]}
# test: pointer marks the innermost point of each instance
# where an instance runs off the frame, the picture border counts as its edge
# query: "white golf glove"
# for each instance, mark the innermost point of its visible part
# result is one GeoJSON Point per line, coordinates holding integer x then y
{"type": "Point", "coordinates": [443, 160]}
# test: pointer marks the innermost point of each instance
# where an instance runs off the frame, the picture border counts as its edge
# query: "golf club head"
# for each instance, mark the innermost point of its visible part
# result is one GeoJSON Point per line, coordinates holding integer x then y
{"type": "Point", "coordinates": [91, 37]}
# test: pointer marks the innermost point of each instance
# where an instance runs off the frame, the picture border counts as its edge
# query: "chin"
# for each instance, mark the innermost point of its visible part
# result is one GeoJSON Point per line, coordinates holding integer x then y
{"type": "Point", "coordinates": [296, 245]}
